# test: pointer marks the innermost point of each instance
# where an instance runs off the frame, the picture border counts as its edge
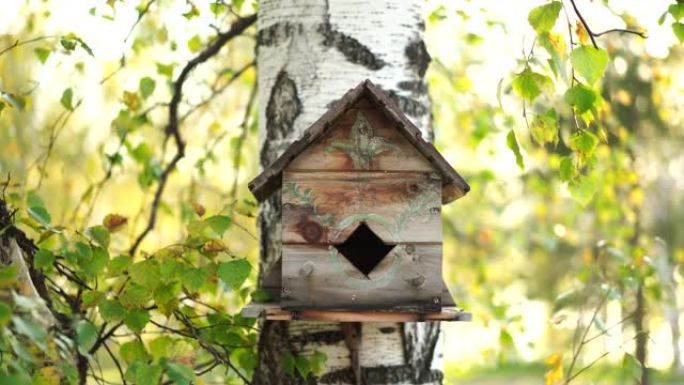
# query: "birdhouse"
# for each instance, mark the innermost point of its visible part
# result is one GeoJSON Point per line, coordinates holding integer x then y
{"type": "Point", "coordinates": [361, 194]}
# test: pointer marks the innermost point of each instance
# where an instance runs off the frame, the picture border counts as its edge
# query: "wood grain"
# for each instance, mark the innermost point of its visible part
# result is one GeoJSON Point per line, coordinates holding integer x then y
{"type": "Point", "coordinates": [401, 155]}
{"type": "Point", "coordinates": [275, 313]}
{"type": "Point", "coordinates": [324, 208]}
{"type": "Point", "coordinates": [409, 278]}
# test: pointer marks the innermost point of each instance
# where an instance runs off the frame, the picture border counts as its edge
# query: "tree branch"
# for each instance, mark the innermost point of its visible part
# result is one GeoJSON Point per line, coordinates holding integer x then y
{"type": "Point", "coordinates": [173, 128]}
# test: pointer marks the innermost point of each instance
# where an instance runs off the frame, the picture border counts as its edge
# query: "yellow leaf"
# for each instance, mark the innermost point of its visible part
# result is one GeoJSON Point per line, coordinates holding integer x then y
{"type": "Point", "coordinates": [581, 33]}
{"type": "Point", "coordinates": [114, 222]}
{"type": "Point", "coordinates": [48, 375]}
{"type": "Point", "coordinates": [558, 43]}
{"type": "Point", "coordinates": [199, 209]}
{"type": "Point", "coordinates": [131, 100]}
{"type": "Point", "coordinates": [213, 246]}
{"type": "Point", "coordinates": [555, 373]}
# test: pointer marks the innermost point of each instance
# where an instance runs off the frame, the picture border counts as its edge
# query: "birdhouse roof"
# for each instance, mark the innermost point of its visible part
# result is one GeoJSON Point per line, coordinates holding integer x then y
{"type": "Point", "coordinates": [453, 185]}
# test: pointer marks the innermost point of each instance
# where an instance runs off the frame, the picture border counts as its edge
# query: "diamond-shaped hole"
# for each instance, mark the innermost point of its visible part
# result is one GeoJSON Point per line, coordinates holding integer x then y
{"type": "Point", "coordinates": [364, 249]}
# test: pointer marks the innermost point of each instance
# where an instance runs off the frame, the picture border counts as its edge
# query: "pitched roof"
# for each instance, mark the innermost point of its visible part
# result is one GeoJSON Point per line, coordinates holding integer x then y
{"type": "Point", "coordinates": [453, 185]}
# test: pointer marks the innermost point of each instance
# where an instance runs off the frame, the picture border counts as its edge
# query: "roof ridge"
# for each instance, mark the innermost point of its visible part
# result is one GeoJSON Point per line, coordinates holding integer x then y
{"type": "Point", "coordinates": [270, 178]}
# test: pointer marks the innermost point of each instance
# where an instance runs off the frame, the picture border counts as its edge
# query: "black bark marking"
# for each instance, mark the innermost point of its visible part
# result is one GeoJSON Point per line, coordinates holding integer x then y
{"type": "Point", "coordinates": [415, 86]}
{"type": "Point", "coordinates": [352, 49]}
{"type": "Point", "coordinates": [275, 34]}
{"type": "Point", "coordinates": [408, 105]}
{"type": "Point", "coordinates": [387, 330]}
{"type": "Point", "coordinates": [419, 348]}
{"type": "Point", "coordinates": [418, 56]}
{"type": "Point", "coordinates": [281, 111]}
{"type": "Point", "coordinates": [383, 375]}
{"type": "Point", "coordinates": [324, 337]}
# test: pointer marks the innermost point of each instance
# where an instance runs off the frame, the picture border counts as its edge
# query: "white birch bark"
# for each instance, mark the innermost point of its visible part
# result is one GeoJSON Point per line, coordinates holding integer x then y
{"type": "Point", "coordinates": [310, 52]}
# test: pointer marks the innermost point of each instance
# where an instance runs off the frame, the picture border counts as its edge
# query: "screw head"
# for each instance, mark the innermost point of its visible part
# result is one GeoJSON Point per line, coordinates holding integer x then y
{"type": "Point", "coordinates": [435, 300]}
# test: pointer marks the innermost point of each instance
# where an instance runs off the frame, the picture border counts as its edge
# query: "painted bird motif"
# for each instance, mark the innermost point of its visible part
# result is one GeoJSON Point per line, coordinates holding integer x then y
{"type": "Point", "coordinates": [361, 145]}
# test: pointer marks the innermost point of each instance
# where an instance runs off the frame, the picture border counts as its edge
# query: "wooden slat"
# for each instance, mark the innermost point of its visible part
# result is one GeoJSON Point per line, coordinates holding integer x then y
{"type": "Point", "coordinates": [409, 277]}
{"type": "Point", "coordinates": [400, 154]}
{"type": "Point", "coordinates": [324, 208]}
{"type": "Point", "coordinates": [273, 312]}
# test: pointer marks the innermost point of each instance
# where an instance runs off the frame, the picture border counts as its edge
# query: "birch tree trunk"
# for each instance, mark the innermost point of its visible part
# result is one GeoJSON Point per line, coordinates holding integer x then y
{"type": "Point", "coordinates": [310, 52]}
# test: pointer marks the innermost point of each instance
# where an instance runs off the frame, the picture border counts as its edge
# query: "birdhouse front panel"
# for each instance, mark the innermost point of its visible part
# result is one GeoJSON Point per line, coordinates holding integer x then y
{"type": "Point", "coordinates": [361, 219]}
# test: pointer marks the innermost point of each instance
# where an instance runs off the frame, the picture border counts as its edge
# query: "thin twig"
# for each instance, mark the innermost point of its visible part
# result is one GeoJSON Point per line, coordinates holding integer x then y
{"type": "Point", "coordinates": [584, 23]}
{"type": "Point", "coordinates": [141, 14]}
{"type": "Point", "coordinates": [18, 43]}
{"type": "Point", "coordinates": [621, 30]}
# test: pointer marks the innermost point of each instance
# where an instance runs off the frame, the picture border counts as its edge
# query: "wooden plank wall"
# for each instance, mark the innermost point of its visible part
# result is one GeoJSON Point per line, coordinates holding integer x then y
{"type": "Point", "coordinates": [363, 170]}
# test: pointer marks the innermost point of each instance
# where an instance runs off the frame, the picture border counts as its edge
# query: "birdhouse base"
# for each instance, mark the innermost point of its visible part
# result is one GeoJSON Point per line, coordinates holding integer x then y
{"type": "Point", "coordinates": [273, 312]}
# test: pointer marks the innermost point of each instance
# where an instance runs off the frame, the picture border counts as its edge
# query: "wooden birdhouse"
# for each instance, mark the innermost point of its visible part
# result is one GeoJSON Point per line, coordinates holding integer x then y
{"type": "Point", "coordinates": [361, 194]}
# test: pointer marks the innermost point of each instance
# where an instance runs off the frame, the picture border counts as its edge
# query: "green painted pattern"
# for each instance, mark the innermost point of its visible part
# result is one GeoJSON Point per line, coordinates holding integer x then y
{"type": "Point", "coordinates": [361, 145]}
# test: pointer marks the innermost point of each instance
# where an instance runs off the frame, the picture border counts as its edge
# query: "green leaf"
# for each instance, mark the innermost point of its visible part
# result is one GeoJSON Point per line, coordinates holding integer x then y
{"type": "Point", "coordinates": [134, 296]}
{"type": "Point", "coordinates": [544, 17]}
{"type": "Point", "coordinates": [580, 97]}
{"type": "Point", "coordinates": [15, 379]}
{"type": "Point", "coordinates": [118, 265]}
{"type": "Point", "coordinates": [317, 362]}
{"type": "Point", "coordinates": [219, 223]}
{"type": "Point", "coordinates": [164, 294]}
{"type": "Point", "coordinates": [146, 86]}
{"type": "Point", "coordinates": [589, 62]}
{"type": "Point", "coordinates": [97, 262]}
{"type": "Point", "coordinates": [99, 234]}
{"type": "Point", "coordinates": [43, 259]}
{"type": "Point", "coordinates": [678, 29]}
{"type": "Point", "coordinates": [583, 189]}
{"type": "Point", "coordinates": [42, 54]}
{"type": "Point", "coordinates": [676, 10]}
{"type": "Point", "coordinates": [132, 351]}
{"type": "Point", "coordinates": [529, 84]}
{"type": "Point", "coordinates": [545, 127]}
{"type": "Point", "coordinates": [287, 363]}
{"type": "Point", "coordinates": [194, 278]}
{"type": "Point", "coordinates": [91, 298]}
{"type": "Point", "coordinates": [566, 169]}
{"type": "Point", "coordinates": [195, 44]}
{"type": "Point", "coordinates": [86, 336]}
{"type": "Point", "coordinates": [512, 143]}
{"type": "Point", "coordinates": [160, 347]}
{"type": "Point", "coordinates": [40, 214]}
{"type": "Point", "coordinates": [5, 314]}
{"type": "Point", "coordinates": [178, 373]}
{"type": "Point", "coordinates": [302, 365]}
{"type": "Point", "coordinates": [137, 319]}
{"type": "Point", "coordinates": [584, 142]}
{"type": "Point", "coordinates": [165, 69]}
{"type": "Point", "coordinates": [142, 153]}
{"type": "Point", "coordinates": [67, 99]}
{"type": "Point", "coordinates": [148, 375]}
{"type": "Point", "coordinates": [234, 273]}
{"type": "Point", "coordinates": [146, 273]}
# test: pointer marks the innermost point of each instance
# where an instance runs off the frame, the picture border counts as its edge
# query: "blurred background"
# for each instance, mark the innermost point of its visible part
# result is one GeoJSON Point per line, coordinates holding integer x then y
{"type": "Point", "coordinates": [532, 256]}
